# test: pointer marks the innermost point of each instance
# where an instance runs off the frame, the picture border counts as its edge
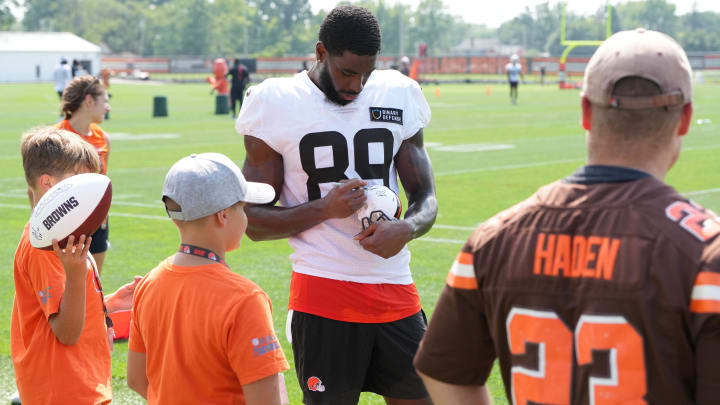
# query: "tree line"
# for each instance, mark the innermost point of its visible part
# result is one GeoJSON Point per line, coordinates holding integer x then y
{"type": "Point", "coordinates": [538, 29]}
{"type": "Point", "coordinates": [289, 27]}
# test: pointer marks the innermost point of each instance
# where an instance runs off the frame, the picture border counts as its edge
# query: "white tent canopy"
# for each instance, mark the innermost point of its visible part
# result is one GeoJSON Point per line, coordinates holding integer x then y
{"type": "Point", "coordinates": [32, 56]}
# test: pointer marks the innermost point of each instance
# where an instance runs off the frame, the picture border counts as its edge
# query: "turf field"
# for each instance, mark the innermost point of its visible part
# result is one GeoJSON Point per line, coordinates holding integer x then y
{"type": "Point", "coordinates": [486, 153]}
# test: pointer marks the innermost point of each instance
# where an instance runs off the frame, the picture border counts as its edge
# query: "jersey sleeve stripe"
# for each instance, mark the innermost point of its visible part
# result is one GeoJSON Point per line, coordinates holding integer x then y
{"type": "Point", "coordinates": [464, 258]}
{"type": "Point", "coordinates": [462, 270]}
{"type": "Point", "coordinates": [705, 296]}
{"type": "Point", "coordinates": [460, 282]}
{"type": "Point", "coordinates": [705, 306]}
{"type": "Point", "coordinates": [707, 278]}
{"type": "Point", "coordinates": [706, 292]}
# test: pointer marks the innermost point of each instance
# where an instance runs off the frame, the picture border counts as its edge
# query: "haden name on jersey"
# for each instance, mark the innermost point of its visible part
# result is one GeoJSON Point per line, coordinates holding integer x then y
{"type": "Point", "coordinates": [573, 256]}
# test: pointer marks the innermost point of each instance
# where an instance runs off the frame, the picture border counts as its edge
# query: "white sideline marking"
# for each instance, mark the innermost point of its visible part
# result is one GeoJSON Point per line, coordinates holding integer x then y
{"type": "Point", "coordinates": [509, 167]}
{"type": "Point", "coordinates": [442, 240]}
{"type": "Point", "coordinates": [159, 218]}
{"type": "Point", "coordinates": [141, 216]}
{"type": "Point", "coordinates": [124, 136]}
{"type": "Point", "coordinates": [474, 147]}
{"type": "Point", "coordinates": [700, 192]}
{"type": "Point", "coordinates": [456, 227]}
{"type": "Point", "coordinates": [126, 203]}
{"type": "Point", "coordinates": [137, 170]}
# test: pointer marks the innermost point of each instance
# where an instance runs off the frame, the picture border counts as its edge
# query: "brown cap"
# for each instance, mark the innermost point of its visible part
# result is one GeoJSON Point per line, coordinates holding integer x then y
{"type": "Point", "coordinates": [642, 53]}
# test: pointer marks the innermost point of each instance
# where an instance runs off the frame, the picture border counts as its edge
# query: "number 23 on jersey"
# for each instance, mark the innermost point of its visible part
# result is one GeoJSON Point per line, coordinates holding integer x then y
{"type": "Point", "coordinates": [551, 381]}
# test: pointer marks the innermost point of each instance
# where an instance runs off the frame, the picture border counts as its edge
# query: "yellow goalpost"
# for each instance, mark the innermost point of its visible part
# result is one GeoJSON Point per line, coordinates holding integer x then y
{"type": "Point", "coordinates": [572, 44]}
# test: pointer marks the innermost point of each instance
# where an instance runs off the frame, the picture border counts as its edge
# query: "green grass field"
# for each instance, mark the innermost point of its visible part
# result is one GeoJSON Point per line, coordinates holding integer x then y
{"type": "Point", "coordinates": [487, 154]}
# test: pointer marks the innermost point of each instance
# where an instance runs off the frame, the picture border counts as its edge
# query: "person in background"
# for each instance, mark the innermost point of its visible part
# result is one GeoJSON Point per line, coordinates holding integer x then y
{"type": "Point", "coordinates": [514, 71]}
{"type": "Point", "coordinates": [74, 68]}
{"type": "Point", "coordinates": [85, 103]}
{"type": "Point", "coordinates": [239, 79]}
{"type": "Point", "coordinates": [61, 76]}
{"type": "Point", "coordinates": [405, 65]}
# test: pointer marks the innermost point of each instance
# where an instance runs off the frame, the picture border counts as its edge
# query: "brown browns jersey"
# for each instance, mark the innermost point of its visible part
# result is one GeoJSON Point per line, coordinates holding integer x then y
{"type": "Point", "coordinates": [588, 294]}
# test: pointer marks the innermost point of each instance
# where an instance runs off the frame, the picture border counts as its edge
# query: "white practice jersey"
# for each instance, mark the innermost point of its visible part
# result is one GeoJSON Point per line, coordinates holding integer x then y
{"type": "Point", "coordinates": [513, 70]}
{"type": "Point", "coordinates": [322, 142]}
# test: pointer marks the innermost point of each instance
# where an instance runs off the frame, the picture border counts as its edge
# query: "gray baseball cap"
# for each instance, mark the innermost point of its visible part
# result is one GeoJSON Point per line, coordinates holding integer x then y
{"type": "Point", "coordinates": [203, 184]}
{"type": "Point", "coordinates": [644, 53]}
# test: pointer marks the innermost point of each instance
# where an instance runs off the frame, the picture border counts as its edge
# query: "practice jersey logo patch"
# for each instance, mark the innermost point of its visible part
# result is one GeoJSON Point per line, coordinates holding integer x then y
{"type": "Point", "coordinates": [264, 345]}
{"type": "Point", "coordinates": [44, 295]}
{"type": "Point", "coordinates": [315, 384]}
{"type": "Point", "coordinates": [382, 114]}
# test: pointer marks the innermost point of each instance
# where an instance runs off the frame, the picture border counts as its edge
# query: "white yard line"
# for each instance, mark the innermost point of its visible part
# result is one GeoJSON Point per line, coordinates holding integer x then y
{"type": "Point", "coordinates": [442, 240]}
{"type": "Point", "coordinates": [701, 192]}
{"type": "Point", "coordinates": [508, 167]}
{"type": "Point", "coordinates": [455, 227]}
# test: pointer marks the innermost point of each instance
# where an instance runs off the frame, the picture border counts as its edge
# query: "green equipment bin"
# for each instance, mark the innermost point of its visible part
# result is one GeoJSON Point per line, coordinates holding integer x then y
{"type": "Point", "coordinates": [160, 107]}
{"type": "Point", "coordinates": [222, 104]}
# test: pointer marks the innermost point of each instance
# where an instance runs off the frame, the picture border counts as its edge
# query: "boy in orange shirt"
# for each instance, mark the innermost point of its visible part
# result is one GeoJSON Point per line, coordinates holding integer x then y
{"type": "Point", "coordinates": [60, 340]}
{"type": "Point", "coordinates": [201, 333]}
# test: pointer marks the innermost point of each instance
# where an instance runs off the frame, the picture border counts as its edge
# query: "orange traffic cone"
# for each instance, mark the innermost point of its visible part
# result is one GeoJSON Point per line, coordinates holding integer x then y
{"type": "Point", "coordinates": [437, 91]}
{"type": "Point", "coordinates": [488, 90]}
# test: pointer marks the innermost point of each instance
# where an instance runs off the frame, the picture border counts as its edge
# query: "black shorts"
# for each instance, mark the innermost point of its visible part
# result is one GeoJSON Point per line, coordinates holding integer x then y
{"type": "Point", "coordinates": [99, 242]}
{"type": "Point", "coordinates": [335, 361]}
{"type": "Point", "coordinates": [513, 85]}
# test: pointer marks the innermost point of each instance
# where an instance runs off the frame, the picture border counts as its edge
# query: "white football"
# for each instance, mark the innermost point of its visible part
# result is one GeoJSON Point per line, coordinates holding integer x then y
{"type": "Point", "coordinates": [76, 206]}
{"type": "Point", "coordinates": [382, 204]}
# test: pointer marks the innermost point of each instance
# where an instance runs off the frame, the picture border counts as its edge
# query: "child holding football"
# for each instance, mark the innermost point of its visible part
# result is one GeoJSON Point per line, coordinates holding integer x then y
{"type": "Point", "coordinates": [60, 337]}
{"type": "Point", "coordinates": [201, 333]}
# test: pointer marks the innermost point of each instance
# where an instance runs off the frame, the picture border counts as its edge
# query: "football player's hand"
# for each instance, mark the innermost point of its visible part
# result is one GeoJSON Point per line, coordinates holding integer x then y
{"type": "Point", "coordinates": [74, 256]}
{"type": "Point", "coordinates": [385, 238]}
{"type": "Point", "coordinates": [344, 199]}
{"type": "Point", "coordinates": [121, 300]}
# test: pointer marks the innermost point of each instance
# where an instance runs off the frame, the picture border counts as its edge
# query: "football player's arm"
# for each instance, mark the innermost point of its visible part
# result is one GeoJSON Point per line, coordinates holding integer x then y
{"type": "Point", "coordinates": [137, 373]}
{"type": "Point", "coordinates": [266, 222]}
{"type": "Point", "coordinates": [386, 239]}
{"type": "Point", "coordinates": [451, 394]}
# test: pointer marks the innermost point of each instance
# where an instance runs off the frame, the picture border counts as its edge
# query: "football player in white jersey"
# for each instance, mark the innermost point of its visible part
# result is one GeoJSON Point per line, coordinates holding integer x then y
{"type": "Point", "coordinates": [514, 71]}
{"type": "Point", "coordinates": [319, 138]}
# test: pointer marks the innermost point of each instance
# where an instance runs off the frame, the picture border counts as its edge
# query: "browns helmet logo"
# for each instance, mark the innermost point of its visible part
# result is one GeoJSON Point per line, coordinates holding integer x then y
{"type": "Point", "coordinates": [315, 384]}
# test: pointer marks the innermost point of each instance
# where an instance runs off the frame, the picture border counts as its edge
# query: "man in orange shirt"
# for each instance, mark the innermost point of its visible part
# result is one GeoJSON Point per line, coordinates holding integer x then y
{"type": "Point", "coordinates": [201, 333]}
{"type": "Point", "coordinates": [84, 104]}
{"type": "Point", "coordinates": [60, 341]}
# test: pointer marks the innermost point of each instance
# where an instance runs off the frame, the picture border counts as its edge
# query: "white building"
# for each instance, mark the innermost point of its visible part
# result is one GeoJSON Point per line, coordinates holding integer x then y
{"type": "Point", "coordinates": [32, 56]}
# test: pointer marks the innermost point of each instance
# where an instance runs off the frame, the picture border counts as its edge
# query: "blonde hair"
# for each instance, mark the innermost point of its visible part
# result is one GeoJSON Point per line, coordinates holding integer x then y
{"type": "Point", "coordinates": [75, 93]}
{"type": "Point", "coordinates": [54, 151]}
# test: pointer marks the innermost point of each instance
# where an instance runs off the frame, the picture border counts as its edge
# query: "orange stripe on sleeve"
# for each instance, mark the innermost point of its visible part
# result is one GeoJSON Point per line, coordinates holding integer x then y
{"type": "Point", "coordinates": [460, 282]}
{"type": "Point", "coordinates": [465, 258]}
{"type": "Point", "coordinates": [708, 278]}
{"type": "Point", "coordinates": [705, 306]}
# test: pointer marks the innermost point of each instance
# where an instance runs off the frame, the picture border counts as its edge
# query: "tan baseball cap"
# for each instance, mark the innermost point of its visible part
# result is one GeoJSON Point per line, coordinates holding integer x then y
{"type": "Point", "coordinates": [643, 53]}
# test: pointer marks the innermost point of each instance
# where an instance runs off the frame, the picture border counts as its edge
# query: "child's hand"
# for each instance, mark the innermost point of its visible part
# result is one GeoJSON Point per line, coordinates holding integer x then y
{"type": "Point", "coordinates": [73, 257]}
{"type": "Point", "coordinates": [121, 300]}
